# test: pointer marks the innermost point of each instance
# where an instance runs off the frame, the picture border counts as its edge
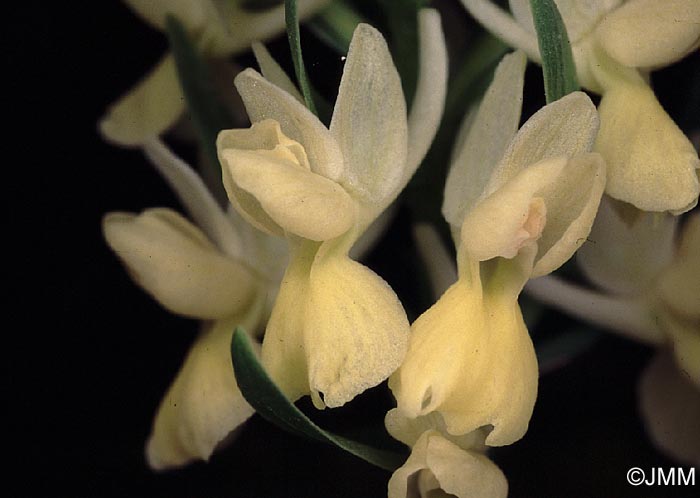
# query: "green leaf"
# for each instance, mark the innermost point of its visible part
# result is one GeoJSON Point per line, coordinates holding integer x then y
{"type": "Point", "coordinates": [292, 20]}
{"type": "Point", "coordinates": [557, 60]}
{"type": "Point", "coordinates": [263, 395]}
{"type": "Point", "coordinates": [208, 114]}
{"type": "Point", "coordinates": [335, 25]}
{"type": "Point", "coordinates": [402, 21]}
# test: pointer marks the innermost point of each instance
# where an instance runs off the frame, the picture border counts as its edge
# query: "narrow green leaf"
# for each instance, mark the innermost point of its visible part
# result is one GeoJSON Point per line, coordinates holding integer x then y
{"type": "Point", "coordinates": [263, 395]}
{"type": "Point", "coordinates": [208, 114]}
{"type": "Point", "coordinates": [402, 21]}
{"type": "Point", "coordinates": [557, 60]}
{"type": "Point", "coordinates": [292, 20]}
{"type": "Point", "coordinates": [335, 25]}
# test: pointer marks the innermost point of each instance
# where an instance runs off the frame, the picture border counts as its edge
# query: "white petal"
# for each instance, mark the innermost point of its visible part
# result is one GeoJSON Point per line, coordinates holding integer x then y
{"type": "Point", "coordinates": [579, 16]}
{"type": "Point", "coordinates": [502, 25]}
{"type": "Point", "coordinates": [565, 127]}
{"type": "Point", "coordinates": [670, 408]}
{"type": "Point", "coordinates": [196, 198]}
{"type": "Point", "coordinates": [299, 201]}
{"type": "Point", "coordinates": [356, 331]}
{"type": "Point", "coordinates": [431, 89]}
{"type": "Point", "coordinates": [274, 73]}
{"type": "Point", "coordinates": [202, 406]}
{"type": "Point", "coordinates": [572, 202]}
{"type": "Point", "coordinates": [369, 122]}
{"type": "Point", "coordinates": [438, 467]}
{"type": "Point", "coordinates": [651, 163]}
{"type": "Point", "coordinates": [263, 100]}
{"type": "Point", "coordinates": [624, 256]}
{"type": "Point", "coordinates": [494, 126]}
{"type": "Point", "coordinates": [175, 263]}
{"type": "Point", "coordinates": [148, 109]}
{"type": "Point", "coordinates": [649, 33]}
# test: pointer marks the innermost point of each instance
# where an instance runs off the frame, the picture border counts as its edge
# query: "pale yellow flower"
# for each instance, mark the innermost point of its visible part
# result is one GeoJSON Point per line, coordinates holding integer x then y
{"type": "Point", "coordinates": [218, 29]}
{"type": "Point", "coordinates": [519, 205]}
{"type": "Point", "coordinates": [336, 328]}
{"type": "Point", "coordinates": [650, 285]}
{"type": "Point", "coordinates": [223, 273]}
{"type": "Point", "coordinates": [615, 44]}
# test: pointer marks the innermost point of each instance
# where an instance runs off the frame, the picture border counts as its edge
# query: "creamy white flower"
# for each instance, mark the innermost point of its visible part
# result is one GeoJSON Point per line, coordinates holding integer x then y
{"type": "Point", "coordinates": [649, 292]}
{"type": "Point", "coordinates": [224, 274]}
{"type": "Point", "coordinates": [651, 164]}
{"type": "Point", "coordinates": [337, 328]}
{"type": "Point", "coordinates": [519, 205]}
{"type": "Point", "coordinates": [218, 29]}
{"type": "Point", "coordinates": [438, 467]}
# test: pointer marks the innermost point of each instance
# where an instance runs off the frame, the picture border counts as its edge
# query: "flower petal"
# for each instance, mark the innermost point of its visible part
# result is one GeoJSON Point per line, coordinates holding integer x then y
{"type": "Point", "coordinates": [565, 127]}
{"type": "Point", "coordinates": [336, 330]}
{"type": "Point", "coordinates": [649, 33]}
{"type": "Point", "coordinates": [431, 89]}
{"type": "Point", "coordinates": [369, 122]}
{"type": "Point", "coordinates": [356, 331]}
{"type": "Point", "coordinates": [513, 216]}
{"type": "Point", "coordinates": [651, 164]}
{"type": "Point", "coordinates": [572, 201]}
{"type": "Point", "coordinates": [194, 195]}
{"type": "Point", "coordinates": [470, 359]}
{"type": "Point", "coordinates": [148, 109]}
{"type": "Point", "coordinates": [494, 126]}
{"type": "Point", "coordinates": [202, 406]}
{"type": "Point", "coordinates": [670, 408]}
{"type": "Point", "coordinates": [626, 256]}
{"type": "Point", "coordinates": [502, 25]}
{"type": "Point", "coordinates": [579, 16]}
{"type": "Point", "coordinates": [409, 430]}
{"type": "Point", "coordinates": [438, 467]}
{"type": "Point", "coordinates": [299, 201]}
{"type": "Point", "coordinates": [679, 285]}
{"type": "Point", "coordinates": [263, 100]}
{"type": "Point", "coordinates": [273, 72]}
{"type": "Point", "coordinates": [174, 262]}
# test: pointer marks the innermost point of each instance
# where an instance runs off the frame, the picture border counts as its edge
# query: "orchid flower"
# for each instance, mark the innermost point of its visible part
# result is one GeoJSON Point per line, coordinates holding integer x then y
{"type": "Point", "coordinates": [336, 328]}
{"type": "Point", "coordinates": [649, 291]}
{"type": "Point", "coordinates": [520, 203]}
{"type": "Point", "coordinates": [441, 464]}
{"type": "Point", "coordinates": [615, 43]}
{"type": "Point", "coordinates": [218, 29]}
{"type": "Point", "coordinates": [222, 272]}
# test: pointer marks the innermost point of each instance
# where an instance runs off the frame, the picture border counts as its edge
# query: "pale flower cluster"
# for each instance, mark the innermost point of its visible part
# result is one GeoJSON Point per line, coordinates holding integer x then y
{"type": "Point", "coordinates": [519, 200]}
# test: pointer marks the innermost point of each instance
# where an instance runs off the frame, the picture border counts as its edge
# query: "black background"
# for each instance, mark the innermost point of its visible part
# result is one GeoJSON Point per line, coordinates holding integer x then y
{"type": "Point", "coordinates": [88, 355]}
